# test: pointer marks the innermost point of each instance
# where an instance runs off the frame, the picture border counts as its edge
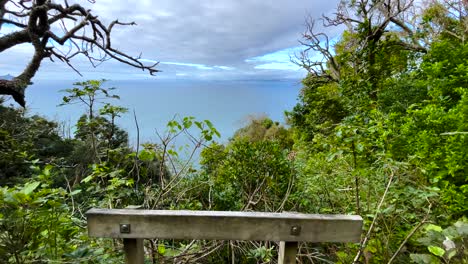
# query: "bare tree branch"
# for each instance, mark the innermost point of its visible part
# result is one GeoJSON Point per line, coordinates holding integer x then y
{"type": "Point", "coordinates": [88, 37]}
{"type": "Point", "coordinates": [326, 68]}
{"type": "Point", "coordinates": [372, 21]}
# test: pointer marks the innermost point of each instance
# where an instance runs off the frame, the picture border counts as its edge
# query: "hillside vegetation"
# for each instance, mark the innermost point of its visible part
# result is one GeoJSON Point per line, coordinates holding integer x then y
{"type": "Point", "coordinates": [380, 130]}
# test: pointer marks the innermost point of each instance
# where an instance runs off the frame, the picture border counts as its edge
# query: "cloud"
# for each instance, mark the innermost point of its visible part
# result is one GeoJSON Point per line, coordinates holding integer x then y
{"type": "Point", "coordinates": [279, 60]}
{"type": "Point", "coordinates": [277, 56]}
{"type": "Point", "coordinates": [225, 68]}
{"type": "Point", "coordinates": [205, 38]}
{"type": "Point", "coordinates": [278, 66]}
{"type": "Point", "coordinates": [198, 66]}
{"type": "Point", "coordinates": [211, 32]}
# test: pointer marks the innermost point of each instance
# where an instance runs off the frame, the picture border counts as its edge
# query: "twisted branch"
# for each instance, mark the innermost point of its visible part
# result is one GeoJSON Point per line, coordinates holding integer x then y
{"type": "Point", "coordinates": [35, 19]}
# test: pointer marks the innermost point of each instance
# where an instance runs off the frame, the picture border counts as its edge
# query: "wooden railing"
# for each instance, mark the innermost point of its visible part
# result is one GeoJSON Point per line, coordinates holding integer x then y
{"type": "Point", "coordinates": [289, 228]}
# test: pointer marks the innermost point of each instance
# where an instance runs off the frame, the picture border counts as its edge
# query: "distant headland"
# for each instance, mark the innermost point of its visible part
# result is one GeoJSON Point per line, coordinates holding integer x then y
{"type": "Point", "coordinates": [7, 77]}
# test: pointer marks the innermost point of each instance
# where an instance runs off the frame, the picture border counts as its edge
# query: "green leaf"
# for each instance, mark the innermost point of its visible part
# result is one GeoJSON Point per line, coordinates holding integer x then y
{"type": "Point", "coordinates": [360, 147]}
{"type": "Point", "coordinates": [436, 251]}
{"type": "Point", "coordinates": [333, 155]}
{"type": "Point", "coordinates": [434, 228]}
{"type": "Point", "coordinates": [339, 133]}
{"type": "Point", "coordinates": [75, 192]}
{"type": "Point", "coordinates": [47, 169]}
{"type": "Point", "coordinates": [172, 153]}
{"type": "Point", "coordinates": [424, 259]}
{"type": "Point", "coordinates": [146, 155]}
{"type": "Point", "coordinates": [161, 249]}
{"type": "Point", "coordinates": [30, 187]}
{"type": "Point", "coordinates": [87, 179]}
{"type": "Point", "coordinates": [129, 183]}
{"type": "Point", "coordinates": [452, 253]}
{"type": "Point", "coordinates": [187, 121]}
{"type": "Point", "coordinates": [208, 137]}
{"type": "Point", "coordinates": [208, 123]}
{"type": "Point", "coordinates": [462, 227]}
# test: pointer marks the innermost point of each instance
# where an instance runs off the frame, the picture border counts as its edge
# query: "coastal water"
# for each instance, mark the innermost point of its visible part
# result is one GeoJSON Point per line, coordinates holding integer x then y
{"type": "Point", "coordinates": [227, 104]}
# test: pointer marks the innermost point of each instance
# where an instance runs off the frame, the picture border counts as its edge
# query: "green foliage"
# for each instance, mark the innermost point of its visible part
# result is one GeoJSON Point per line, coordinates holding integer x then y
{"type": "Point", "coordinates": [88, 93]}
{"type": "Point", "coordinates": [24, 140]}
{"type": "Point", "coordinates": [36, 225]}
{"type": "Point", "coordinates": [262, 254]}
{"type": "Point", "coordinates": [255, 175]}
{"type": "Point", "coordinates": [106, 132]}
{"type": "Point", "coordinates": [391, 113]}
{"type": "Point", "coordinates": [99, 130]}
{"type": "Point", "coordinates": [320, 108]}
{"type": "Point", "coordinates": [382, 133]}
{"type": "Point", "coordinates": [263, 128]}
{"type": "Point", "coordinates": [433, 130]}
{"type": "Point", "coordinates": [444, 245]}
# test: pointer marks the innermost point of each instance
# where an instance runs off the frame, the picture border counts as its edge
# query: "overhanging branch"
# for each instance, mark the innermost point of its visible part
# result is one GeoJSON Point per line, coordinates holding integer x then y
{"type": "Point", "coordinates": [89, 37]}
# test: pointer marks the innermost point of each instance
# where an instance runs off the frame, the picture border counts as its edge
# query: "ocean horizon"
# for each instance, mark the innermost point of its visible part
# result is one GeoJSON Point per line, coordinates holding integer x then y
{"type": "Point", "coordinates": [227, 104]}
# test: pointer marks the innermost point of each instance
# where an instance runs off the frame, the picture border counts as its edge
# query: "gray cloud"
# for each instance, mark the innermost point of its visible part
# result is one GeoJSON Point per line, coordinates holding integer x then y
{"type": "Point", "coordinates": [212, 33]}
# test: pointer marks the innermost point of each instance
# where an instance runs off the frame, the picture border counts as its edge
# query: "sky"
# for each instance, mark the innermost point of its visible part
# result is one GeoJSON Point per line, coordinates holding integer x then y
{"type": "Point", "coordinates": [193, 39]}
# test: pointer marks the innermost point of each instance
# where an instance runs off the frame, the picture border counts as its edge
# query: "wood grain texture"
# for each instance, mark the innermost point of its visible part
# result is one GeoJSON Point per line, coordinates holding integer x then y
{"type": "Point", "coordinates": [134, 252]}
{"type": "Point", "coordinates": [287, 252]}
{"type": "Point", "coordinates": [221, 225]}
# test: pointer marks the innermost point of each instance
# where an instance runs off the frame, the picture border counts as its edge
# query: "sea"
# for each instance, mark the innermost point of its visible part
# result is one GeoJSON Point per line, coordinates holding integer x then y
{"type": "Point", "coordinates": [227, 104]}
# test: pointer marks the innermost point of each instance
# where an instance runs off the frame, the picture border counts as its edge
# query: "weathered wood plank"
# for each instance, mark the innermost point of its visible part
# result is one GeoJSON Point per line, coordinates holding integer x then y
{"type": "Point", "coordinates": [218, 225]}
{"type": "Point", "coordinates": [134, 251]}
{"type": "Point", "coordinates": [287, 252]}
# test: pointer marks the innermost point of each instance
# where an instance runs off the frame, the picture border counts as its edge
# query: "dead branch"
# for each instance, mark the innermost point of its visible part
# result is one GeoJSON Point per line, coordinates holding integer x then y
{"type": "Point", "coordinates": [374, 221]}
{"type": "Point", "coordinates": [410, 234]}
{"type": "Point", "coordinates": [371, 20]}
{"type": "Point", "coordinates": [88, 37]}
{"type": "Point", "coordinates": [317, 43]}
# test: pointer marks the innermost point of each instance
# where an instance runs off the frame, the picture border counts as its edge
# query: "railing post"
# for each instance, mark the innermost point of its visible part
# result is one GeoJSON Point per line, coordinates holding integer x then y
{"type": "Point", "coordinates": [134, 252]}
{"type": "Point", "coordinates": [287, 252]}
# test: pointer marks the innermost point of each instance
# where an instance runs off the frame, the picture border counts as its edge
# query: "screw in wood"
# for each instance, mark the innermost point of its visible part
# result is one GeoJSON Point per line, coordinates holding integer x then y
{"type": "Point", "coordinates": [295, 230]}
{"type": "Point", "coordinates": [125, 228]}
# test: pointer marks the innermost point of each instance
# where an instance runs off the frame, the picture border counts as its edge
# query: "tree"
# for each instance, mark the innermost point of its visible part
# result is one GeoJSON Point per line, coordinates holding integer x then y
{"type": "Point", "coordinates": [89, 94]}
{"type": "Point", "coordinates": [260, 128]}
{"type": "Point", "coordinates": [361, 69]}
{"type": "Point", "coordinates": [40, 23]}
{"type": "Point", "coordinates": [381, 124]}
{"type": "Point", "coordinates": [249, 175]}
{"type": "Point", "coordinates": [27, 140]}
{"type": "Point", "coordinates": [373, 29]}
